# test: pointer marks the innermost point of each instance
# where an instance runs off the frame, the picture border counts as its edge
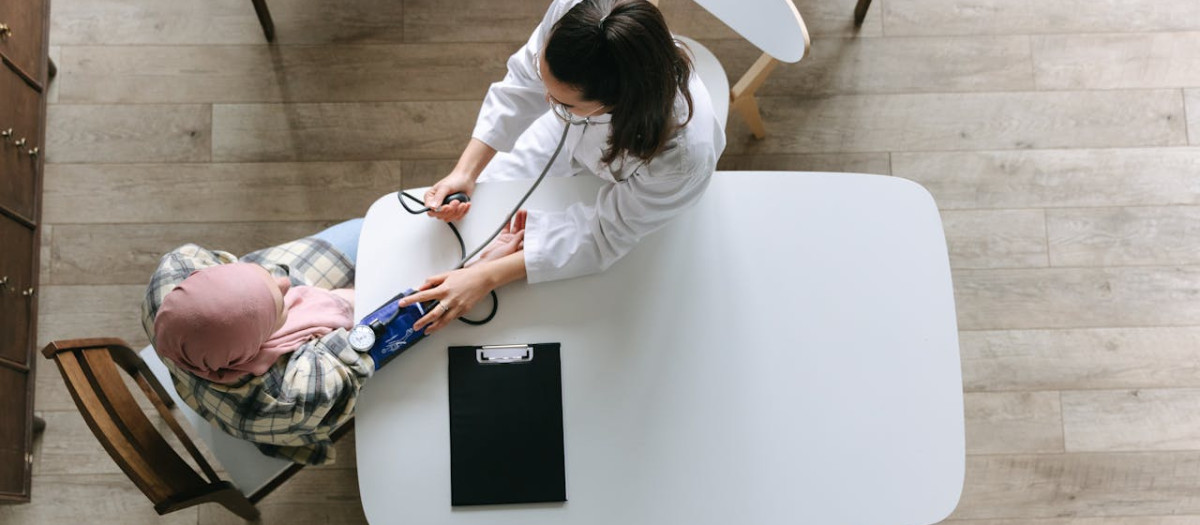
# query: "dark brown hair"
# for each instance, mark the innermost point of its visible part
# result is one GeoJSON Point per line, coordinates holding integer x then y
{"type": "Point", "coordinates": [621, 54]}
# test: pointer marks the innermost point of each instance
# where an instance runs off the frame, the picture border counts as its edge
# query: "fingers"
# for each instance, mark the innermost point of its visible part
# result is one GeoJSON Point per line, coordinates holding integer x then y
{"type": "Point", "coordinates": [424, 322]}
{"type": "Point", "coordinates": [442, 317]}
{"type": "Point", "coordinates": [427, 292]}
{"type": "Point", "coordinates": [504, 245]}
{"type": "Point", "coordinates": [512, 243]}
{"type": "Point", "coordinates": [438, 211]}
{"type": "Point", "coordinates": [428, 318]}
{"type": "Point", "coordinates": [454, 211]}
{"type": "Point", "coordinates": [435, 196]}
{"type": "Point", "coordinates": [455, 293]}
{"type": "Point", "coordinates": [438, 317]}
{"type": "Point", "coordinates": [449, 212]}
{"type": "Point", "coordinates": [516, 224]}
{"type": "Point", "coordinates": [433, 282]}
{"type": "Point", "coordinates": [461, 210]}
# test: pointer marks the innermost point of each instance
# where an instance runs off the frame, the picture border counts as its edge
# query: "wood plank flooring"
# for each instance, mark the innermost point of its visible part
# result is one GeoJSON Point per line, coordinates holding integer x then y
{"type": "Point", "coordinates": [1060, 139]}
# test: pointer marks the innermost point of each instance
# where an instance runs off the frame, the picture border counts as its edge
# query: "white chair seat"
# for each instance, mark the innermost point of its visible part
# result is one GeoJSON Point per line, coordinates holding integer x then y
{"type": "Point", "coordinates": [709, 69]}
{"type": "Point", "coordinates": [246, 467]}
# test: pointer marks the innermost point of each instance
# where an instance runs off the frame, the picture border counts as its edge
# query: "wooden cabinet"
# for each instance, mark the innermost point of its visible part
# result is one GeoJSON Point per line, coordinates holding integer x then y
{"type": "Point", "coordinates": [23, 81]}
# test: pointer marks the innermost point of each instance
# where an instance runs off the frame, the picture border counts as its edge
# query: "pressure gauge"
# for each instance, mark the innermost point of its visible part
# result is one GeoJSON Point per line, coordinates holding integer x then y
{"type": "Point", "coordinates": [362, 338]}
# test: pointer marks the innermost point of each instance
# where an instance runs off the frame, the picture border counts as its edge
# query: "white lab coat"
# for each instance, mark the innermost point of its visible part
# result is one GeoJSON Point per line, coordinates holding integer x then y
{"type": "Point", "coordinates": [638, 198]}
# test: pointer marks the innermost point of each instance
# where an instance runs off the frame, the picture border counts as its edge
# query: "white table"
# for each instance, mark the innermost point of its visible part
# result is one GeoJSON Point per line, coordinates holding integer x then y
{"type": "Point", "coordinates": [784, 352]}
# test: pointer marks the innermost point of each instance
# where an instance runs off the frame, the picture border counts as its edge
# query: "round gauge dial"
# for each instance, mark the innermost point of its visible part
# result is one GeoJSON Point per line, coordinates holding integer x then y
{"type": "Point", "coordinates": [362, 338]}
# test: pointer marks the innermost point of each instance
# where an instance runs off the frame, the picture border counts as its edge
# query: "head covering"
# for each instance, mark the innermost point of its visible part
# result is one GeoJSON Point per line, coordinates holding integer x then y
{"type": "Point", "coordinates": [217, 324]}
{"type": "Point", "coordinates": [214, 322]}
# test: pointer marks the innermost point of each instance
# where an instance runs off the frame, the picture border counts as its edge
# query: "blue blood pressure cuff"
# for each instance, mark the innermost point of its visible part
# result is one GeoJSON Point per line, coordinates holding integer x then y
{"type": "Point", "coordinates": [386, 332]}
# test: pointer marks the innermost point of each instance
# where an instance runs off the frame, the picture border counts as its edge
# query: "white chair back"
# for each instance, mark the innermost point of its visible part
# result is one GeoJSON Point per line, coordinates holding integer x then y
{"type": "Point", "coordinates": [709, 69]}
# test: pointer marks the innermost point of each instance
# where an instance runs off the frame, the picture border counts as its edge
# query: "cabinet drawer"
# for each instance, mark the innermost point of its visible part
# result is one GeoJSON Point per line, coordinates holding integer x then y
{"type": "Point", "coordinates": [14, 434]}
{"type": "Point", "coordinates": [25, 35]}
{"type": "Point", "coordinates": [16, 301]}
{"type": "Point", "coordinates": [20, 123]}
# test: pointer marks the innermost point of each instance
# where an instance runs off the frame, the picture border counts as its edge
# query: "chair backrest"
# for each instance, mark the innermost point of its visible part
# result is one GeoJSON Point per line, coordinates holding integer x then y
{"type": "Point", "coordinates": [91, 369]}
{"type": "Point", "coordinates": [709, 69]}
{"type": "Point", "coordinates": [774, 26]}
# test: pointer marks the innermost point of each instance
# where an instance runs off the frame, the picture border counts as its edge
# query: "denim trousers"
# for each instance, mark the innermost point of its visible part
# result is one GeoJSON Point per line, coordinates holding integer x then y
{"type": "Point", "coordinates": [344, 237]}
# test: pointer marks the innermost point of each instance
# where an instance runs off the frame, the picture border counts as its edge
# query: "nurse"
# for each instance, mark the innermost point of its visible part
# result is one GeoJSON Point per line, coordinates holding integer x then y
{"type": "Point", "coordinates": [638, 118]}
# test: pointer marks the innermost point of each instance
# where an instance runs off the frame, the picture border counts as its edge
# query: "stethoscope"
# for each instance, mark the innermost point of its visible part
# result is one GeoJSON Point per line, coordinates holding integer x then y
{"type": "Point", "coordinates": [363, 336]}
{"type": "Point", "coordinates": [401, 195]}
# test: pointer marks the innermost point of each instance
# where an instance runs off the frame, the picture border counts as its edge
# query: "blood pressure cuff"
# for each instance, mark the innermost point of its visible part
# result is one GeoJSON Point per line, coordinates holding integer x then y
{"type": "Point", "coordinates": [397, 335]}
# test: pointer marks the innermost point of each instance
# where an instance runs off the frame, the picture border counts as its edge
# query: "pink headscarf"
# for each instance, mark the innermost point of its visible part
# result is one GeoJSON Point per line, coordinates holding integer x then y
{"type": "Point", "coordinates": [217, 324]}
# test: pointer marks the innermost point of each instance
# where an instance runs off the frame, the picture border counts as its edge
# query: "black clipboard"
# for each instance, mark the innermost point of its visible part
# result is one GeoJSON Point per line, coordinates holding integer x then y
{"type": "Point", "coordinates": [506, 425]}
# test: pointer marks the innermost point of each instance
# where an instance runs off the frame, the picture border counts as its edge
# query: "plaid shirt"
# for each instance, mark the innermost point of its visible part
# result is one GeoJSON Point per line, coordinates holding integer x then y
{"type": "Point", "coordinates": [291, 410]}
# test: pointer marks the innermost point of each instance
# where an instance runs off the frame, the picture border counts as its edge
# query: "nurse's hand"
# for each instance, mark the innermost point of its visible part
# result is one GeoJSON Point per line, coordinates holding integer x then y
{"type": "Point", "coordinates": [456, 293]}
{"type": "Point", "coordinates": [449, 185]}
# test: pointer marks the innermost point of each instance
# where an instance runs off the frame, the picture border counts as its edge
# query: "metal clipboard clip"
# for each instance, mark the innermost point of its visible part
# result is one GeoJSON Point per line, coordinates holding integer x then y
{"type": "Point", "coordinates": [504, 354]}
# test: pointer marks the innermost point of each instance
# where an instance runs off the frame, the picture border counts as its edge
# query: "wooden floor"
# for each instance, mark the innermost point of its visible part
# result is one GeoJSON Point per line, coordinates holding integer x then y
{"type": "Point", "coordinates": [1061, 140]}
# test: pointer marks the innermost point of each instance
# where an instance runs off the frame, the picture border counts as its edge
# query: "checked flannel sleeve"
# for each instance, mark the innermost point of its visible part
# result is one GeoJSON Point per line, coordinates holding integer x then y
{"type": "Point", "coordinates": [291, 410]}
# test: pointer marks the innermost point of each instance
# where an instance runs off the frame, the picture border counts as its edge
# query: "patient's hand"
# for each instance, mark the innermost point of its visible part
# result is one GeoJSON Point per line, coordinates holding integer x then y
{"type": "Point", "coordinates": [511, 240]}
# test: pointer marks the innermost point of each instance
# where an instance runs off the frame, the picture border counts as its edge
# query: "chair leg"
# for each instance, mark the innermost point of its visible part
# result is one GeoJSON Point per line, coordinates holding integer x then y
{"type": "Point", "coordinates": [237, 503]}
{"type": "Point", "coordinates": [741, 96]}
{"type": "Point", "coordinates": [860, 11]}
{"type": "Point", "coordinates": [222, 493]}
{"type": "Point", "coordinates": [264, 18]}
{"type": "Point", "coordinates": [747, 107]}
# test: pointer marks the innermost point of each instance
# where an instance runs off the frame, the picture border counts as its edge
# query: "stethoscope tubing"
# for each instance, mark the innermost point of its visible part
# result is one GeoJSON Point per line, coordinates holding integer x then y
{"type": "Point", "coordinates": [508, 219]}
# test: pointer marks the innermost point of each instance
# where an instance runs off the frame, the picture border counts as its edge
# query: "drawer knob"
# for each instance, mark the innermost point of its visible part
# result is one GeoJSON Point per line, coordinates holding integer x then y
{"type": "Point", "coordinates": [33, 153]}
{"type": "Point", "coordinates": [20, 142]}
{"type": "Point", "coordinates": [3, 281]}
{"type": "Point", "coordinates": [6, 134]}
{"type": "Point", "coordinates": [5, 31]}
{"type": "Point", "coordinates": [28, 293]}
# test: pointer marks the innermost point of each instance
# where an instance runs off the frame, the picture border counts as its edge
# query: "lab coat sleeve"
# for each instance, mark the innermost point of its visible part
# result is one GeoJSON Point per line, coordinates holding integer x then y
{"type": "Point", "coordinates": [588, 238]}
{"type": "Point", "coordinates": [513, 103]}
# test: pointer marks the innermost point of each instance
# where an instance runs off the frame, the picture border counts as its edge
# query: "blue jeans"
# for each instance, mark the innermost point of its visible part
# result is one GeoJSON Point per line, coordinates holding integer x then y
{"type": "Point", "coordinates": [344, 237]}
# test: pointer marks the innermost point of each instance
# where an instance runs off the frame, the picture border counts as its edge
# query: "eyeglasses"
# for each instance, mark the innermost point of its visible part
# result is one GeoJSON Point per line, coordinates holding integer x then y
{"type": "Point", "coordinates": [560, 110]}
{"type": "Point", "coordinates": [564, 113]}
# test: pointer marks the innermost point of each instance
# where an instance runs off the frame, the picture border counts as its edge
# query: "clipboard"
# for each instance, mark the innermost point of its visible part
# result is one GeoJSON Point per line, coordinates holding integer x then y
{"type": "Point", "coordinates": [506, 425]}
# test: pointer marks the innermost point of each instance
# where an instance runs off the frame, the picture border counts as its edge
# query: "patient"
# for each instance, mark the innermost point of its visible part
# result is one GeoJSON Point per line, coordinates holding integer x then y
{"type": "Point", "coordinates": [258, 345]}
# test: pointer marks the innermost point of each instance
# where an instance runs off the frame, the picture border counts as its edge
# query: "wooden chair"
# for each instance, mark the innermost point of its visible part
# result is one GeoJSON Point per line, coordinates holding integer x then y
{"type": "Point", "coordinates": [775, 27]}
{"type": "Point", "coordinates": [91, 369]}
